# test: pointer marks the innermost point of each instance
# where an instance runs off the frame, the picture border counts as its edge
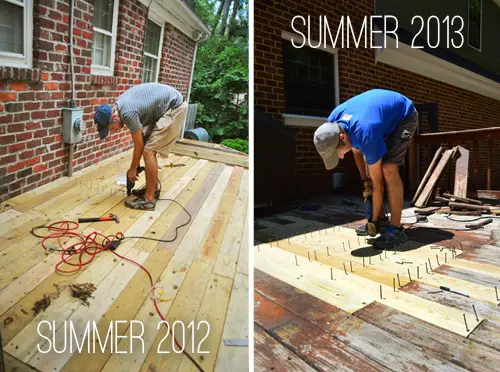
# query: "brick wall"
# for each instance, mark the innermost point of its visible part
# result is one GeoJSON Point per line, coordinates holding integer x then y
{"type": "Point", "coordinates": [177, 52]}
{"type": "Point", "coordinates": [31, 100]}
{"type": "Point", "coordinates": [458, 108]}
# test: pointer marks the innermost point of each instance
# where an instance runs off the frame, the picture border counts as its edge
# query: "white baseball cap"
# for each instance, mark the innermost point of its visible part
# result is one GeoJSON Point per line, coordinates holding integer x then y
{"type": "Point", "coordinates": [326, 140]}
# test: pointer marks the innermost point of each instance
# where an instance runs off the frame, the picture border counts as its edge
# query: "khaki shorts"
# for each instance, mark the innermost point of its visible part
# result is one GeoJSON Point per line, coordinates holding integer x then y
{"type": "Point", "coordinates": [162, 136]}
{"type": "Point", "coordinates": [399, 141]}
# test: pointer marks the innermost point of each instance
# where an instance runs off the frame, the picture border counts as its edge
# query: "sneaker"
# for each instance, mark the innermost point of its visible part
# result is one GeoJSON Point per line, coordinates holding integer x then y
{"type": "Point", "coordinates": [390, 238]}
{"type": "Point", "coordinates": [363, 229]}
{"type": "Point", "coordinates": [142, 192]}
{"type": "Point", "coordinates": [141, 204]}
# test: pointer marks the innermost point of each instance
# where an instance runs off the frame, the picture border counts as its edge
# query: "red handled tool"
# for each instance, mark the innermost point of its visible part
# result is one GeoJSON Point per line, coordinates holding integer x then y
{"type": "Point", "coordinates": [479, 224]}
{"type": "Point", "coordinates": [111, 217]}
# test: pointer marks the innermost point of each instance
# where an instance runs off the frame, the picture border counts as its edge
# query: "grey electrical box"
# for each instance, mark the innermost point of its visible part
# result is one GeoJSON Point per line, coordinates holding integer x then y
{"type": "Point", "coordinates": [73, 124]}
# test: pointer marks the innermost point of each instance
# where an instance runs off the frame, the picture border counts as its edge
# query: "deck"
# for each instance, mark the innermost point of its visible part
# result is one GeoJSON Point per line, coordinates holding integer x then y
{"type": "Point", "coordinates": [326, 300]}
{"type": "Point", "coordinates": [202, 275]}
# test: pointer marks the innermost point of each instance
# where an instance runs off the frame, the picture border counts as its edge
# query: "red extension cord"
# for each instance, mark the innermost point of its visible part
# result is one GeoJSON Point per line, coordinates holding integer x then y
{"type": "Point", "coordinates": [89, 245]}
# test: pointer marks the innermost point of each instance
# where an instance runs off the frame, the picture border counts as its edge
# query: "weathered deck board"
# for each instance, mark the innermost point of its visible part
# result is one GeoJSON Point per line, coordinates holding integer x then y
{"type": "Point", "coordinates": [270, 355]}
{"type": "Point", "coordinates": [457, 349]}
{"type": "Point", "coordinates": [316, 346]}
{"type": "Point", "coordinates": [398, 355]}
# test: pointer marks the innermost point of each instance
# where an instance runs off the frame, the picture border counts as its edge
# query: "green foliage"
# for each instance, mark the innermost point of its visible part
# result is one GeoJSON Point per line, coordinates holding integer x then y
{"type": "Point", "coordinates": [221, 73]}
{"type": "Point", "coordinates": [237, 144]}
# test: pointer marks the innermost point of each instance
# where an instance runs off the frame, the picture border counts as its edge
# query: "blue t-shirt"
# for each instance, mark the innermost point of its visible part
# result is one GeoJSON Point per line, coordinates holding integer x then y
{"type": "Point", "coordinates": [371, 117]}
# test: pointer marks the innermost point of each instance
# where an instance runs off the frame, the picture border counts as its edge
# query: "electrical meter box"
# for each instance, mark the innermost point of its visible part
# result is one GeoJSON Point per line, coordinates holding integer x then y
{"type": "Point", "coordinates": [73, 124]}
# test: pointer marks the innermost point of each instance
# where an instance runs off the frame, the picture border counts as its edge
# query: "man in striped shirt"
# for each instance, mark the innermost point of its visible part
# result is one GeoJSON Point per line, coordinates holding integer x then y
{"type": "Point", "coordinates": [154, 114]}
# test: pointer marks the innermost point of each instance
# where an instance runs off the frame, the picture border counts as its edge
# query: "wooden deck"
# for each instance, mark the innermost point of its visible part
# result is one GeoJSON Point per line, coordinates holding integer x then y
{"type": "Point", "coordinates": [200, 276]}
{"type": "Point", "coordinates": [326, 300]}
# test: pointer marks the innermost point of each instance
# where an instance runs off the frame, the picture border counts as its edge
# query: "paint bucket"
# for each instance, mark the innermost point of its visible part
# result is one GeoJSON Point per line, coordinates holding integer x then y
{"type": "Point", "coordinates": [197, 134]}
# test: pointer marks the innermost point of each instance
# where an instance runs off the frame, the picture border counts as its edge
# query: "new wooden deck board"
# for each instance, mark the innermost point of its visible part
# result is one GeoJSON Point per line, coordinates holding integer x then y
{"type": "Point", "coordinates": [123, 291]}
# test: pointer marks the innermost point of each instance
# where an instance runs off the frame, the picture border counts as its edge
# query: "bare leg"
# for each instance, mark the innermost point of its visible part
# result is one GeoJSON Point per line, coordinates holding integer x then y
{"type": "Point", "coordinates": [151, 173]}
{"type": "Point", "coordinates": [394, 187]}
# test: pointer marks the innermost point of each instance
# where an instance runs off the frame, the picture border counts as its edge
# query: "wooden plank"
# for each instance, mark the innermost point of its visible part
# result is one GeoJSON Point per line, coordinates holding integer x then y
{"type": "Point", "coordinates": [428, 172]}
{"type": "Point", "coordinates": [188, 248]}
{"type": "Point", "coordinates": [184, 309]}
{"type": "Point", "coordinates": [398, 355]}
{"type": "Point", "coordinates": [95, 272]}
{"type": "Point", "coordinates": [270, 355]}
{"type": "Point", "coordinates": [27, 201]}
{"type": "Point", "coordinates": [352, 292]}
{"type": "Point", "coordinates": [227, 257]}
{"type": "Point", "coordinates": [230, 358]}
{"type": "Point", "coordinates": [214, 237]}
{"type": "Point", "coordinates": [462, 199]}
{"type": "Point", "coordinates": [134, 301]}
{"type": "Point", "coordinates": [434, 179]}
{"type": "Point", "coordinates": [486, 254]}
{"type": "Point", "coordinates": [311, 343]}
{"type": "Point", "coordinates": [490, 164]}
{"type": "Point", "coordinates": [243, 263]}
{"type": "Point", "coordinates": [459, 350]}
{"type": "Point", "coordinates": [9, 215]}
{"type": "Point", "coordinates": [15, 365]}
{"type": "Point", "coordinates": [211, 154]}
{"type": "Point", "coordinates": [116, 280]}
{"type": "Point", "coordinates": [466, 275]}
{"type": "Point", "coordinates": [487, 334]}
{"type": "Point", "coordinates": [487, 310]}
{"type": "Point", "coordinates": [456, 205]}
{"type": "Point", "coordinates": [476, 169]}
{"type": "Point", "coordinates": [384, 270]}
{"type": "Point", "coordinates": [212, 310]}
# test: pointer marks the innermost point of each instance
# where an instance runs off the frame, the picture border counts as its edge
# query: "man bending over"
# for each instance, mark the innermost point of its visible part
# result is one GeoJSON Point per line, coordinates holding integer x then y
{"type": "Point", "coordinates": [154, 113]}
{"type": "Point", "coordinates": [376, 125]}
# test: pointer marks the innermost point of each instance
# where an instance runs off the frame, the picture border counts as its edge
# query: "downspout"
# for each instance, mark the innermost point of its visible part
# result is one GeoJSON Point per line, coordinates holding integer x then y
{"type": "Point", "coordinates": [72, 70]}
{"type": "Point", "coordinates": [201, 38]}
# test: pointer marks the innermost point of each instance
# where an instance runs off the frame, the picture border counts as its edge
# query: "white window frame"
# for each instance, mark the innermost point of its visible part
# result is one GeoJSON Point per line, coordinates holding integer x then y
{"type": "Point", "coordinates": [294, 120]}
{"type": "Point", "coordinates": [103, 70]}
{"type": "Point", "coordinates": [160, 46]}
{"type": "Point", "coordinates": [24, 60]}
{"type": "Point", "coordinates": [480, 26]}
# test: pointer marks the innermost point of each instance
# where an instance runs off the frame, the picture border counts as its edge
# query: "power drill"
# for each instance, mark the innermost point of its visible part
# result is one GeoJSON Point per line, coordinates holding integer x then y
{"type": "Point", "coordinates": [130, 183]}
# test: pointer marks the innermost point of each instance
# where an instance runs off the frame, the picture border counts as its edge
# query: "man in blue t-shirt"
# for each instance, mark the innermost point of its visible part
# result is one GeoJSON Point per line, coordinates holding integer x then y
{"type": "Point", "coordinates": [377, 126]}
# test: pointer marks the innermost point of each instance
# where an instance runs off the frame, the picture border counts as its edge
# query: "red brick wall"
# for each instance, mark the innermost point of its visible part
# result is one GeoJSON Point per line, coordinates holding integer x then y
{"type": "Point", "coordinates": [458, 108]}
{"type": "Point", "coordinates": [31, 100]}
{"type": "Point", "coordinates": [177, 52]}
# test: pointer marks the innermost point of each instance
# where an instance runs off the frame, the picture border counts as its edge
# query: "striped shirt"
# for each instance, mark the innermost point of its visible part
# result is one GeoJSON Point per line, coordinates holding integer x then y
{"type": "Point", "coordinates": [144, 104]}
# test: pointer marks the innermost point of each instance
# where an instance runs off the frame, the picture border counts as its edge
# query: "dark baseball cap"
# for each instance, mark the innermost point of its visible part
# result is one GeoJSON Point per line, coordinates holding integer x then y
{"type": "Point", "coordinates": [102, 117]}
{"type": "Point", "coordinates": [326, 140]}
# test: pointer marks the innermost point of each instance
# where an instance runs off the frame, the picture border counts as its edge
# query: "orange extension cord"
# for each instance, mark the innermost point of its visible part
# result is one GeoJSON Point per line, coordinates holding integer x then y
{"type": "Point", "coordinates": [90, 246]}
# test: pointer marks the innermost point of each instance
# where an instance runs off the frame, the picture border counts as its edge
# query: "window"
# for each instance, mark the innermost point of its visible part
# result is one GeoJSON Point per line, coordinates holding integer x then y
{"type": "Point", "coordinates": [309, 80]}
{"type": "Point", "coordinates": [152, 52]}
{"type": "Point", "coordinates": [104, 38]}
{"type": "Point", "coordinates": [16, 24]}
{"type": "Point", "coordinates": [475, 10]}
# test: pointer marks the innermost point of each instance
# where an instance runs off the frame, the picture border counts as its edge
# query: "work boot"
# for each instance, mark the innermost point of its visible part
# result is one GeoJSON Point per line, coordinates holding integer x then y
{"type": "Point", "coordinates": [363, 229]}
{"type": "Point", "coordinates": [390, 238]}
{"type": "Point", "coordinates": [142, 192]}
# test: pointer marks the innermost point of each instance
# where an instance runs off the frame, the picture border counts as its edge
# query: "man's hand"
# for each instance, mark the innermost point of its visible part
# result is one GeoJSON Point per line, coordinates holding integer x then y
{"type": "Point", "coordinates": [132, 174]}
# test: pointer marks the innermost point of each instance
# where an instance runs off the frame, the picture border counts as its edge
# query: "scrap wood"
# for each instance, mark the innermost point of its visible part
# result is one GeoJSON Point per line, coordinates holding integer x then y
{"type": "Point", "coordinates": [462, 199]}
{"type": "Point", "coordinates": [461, 173]}
{"type": "Point", "coordinates": [456, 205]}
{"type": "Point", "coordinates": [441, 199]}
{"type": "Point", "coordinates": [434, 179]}
{"type": "Point", "coordinates": [434, 162]}
{"type": "Point", "coordinates": [459, 213]}
{"type": "Point", "coordinates": [426, 211]}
